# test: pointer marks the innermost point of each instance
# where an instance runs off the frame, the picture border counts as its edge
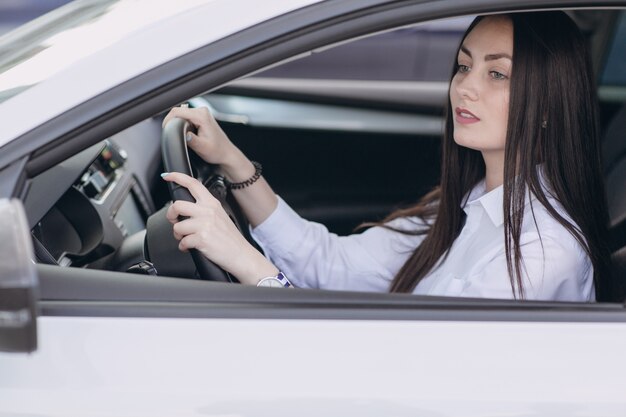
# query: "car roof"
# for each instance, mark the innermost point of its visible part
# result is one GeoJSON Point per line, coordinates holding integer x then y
{"type": "Point", "coordinates": [66, 68]}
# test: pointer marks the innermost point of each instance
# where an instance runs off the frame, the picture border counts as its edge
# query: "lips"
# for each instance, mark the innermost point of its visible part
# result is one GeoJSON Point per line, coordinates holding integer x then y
{"type": "Point", "coordinates": [465, 116]}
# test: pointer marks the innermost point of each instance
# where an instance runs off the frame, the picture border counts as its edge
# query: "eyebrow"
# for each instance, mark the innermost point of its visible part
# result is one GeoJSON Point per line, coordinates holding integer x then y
{"type": "Point", "coordinates": [488, 57]}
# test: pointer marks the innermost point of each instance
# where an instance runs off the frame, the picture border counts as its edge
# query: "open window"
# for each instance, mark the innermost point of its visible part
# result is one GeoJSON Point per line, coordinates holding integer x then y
{"type": "Point", "coordinates": [346, 133]}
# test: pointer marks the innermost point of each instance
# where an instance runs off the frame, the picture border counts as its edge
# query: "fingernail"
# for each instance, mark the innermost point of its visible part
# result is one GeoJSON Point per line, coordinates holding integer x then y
{"type": "Point", "coordinates": [188, 137]}
{"type": "Point", "coordinates": [164, 174]}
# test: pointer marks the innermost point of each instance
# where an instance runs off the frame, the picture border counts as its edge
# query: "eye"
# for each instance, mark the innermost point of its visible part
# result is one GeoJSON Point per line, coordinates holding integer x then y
{"type": "Point", "coordinates": [462, 68]}
{"type": "Point", "coordinates": [497, 75]}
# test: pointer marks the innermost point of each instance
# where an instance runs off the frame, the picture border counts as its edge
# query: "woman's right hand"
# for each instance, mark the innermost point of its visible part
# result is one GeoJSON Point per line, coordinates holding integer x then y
{"type": "Point", "coordinates": [210, 142]}
{"type": "Point", "coordinates": [205, 226]}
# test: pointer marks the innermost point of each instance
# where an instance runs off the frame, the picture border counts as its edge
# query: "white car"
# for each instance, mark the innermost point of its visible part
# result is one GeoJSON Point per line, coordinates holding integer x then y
{"type": "Point", "coordinates": [87, 329]}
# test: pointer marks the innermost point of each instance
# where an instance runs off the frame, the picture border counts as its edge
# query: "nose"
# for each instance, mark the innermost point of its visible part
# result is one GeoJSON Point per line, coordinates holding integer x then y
{"type": "Point", "coordinates": [466, 86]}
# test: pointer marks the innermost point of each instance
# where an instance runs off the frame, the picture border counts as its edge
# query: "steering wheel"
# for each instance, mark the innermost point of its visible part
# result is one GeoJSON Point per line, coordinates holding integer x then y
{"type": "Point", "coordinates": [176, 159]}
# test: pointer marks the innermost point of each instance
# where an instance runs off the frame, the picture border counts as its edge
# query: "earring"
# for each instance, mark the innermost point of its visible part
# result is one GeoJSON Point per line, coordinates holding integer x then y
{"type": "Point", "coordinates": [544, 124]}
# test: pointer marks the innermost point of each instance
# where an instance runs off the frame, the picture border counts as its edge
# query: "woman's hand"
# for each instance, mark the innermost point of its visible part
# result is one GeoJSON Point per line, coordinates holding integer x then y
{"type": "Point", "coordinates": [210, 143]}
{"type": "Point", "coordinates": [208, 228]}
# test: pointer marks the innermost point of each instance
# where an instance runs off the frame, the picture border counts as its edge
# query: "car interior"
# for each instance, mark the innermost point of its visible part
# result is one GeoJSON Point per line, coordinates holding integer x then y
{"type": "Point", "coordinates": [344, 137]}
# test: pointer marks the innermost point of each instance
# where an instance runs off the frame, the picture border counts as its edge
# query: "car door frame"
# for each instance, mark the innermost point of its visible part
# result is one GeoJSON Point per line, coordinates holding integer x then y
{"type": "Point", "coordinates": [234, 56]}
{"type": "Point", "coordinates": [210, 67]}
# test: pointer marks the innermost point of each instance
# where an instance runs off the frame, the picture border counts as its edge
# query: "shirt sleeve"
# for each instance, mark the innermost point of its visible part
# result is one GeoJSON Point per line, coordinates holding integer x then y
{"type": "Point", "coordinates": [313, 257]}
{"type": "Point", "coordinates": [554, 267]}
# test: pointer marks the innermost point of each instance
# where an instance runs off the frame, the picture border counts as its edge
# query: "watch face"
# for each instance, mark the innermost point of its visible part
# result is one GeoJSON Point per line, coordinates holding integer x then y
{"type": "Point", "coordinates": [271, 282]}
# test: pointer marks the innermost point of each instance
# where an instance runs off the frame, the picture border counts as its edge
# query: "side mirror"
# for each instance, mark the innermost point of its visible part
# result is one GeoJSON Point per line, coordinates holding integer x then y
{"type": "Point", "coordinates": [18, 281]}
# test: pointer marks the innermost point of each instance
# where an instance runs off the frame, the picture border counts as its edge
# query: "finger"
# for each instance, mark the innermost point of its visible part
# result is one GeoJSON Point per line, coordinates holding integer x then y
{"type": "Point", "coordinates": [191, 139]}
{"type": "Point", "coordinates": [170, 214]}
{"type": "Point", "coordinates": [195, 143]}
{"type": "Point", "coordinates": [173, 113]}
{"type": "Point", "coordinates": [170, 115]}
{"type": "Point", "coordinates": [188, 242]}
{"type": "Point", "coordinates": [189, 227]}
{"type": "Point", "coordinates": [195, 187]}
{"type": "Point", "coordinates": [182, 208]}
{"type": "Point", "coordinates": [197, 117]}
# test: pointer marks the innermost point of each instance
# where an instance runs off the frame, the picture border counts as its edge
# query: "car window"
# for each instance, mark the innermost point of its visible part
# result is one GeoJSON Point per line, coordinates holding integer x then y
{"type": "Point", "coordinates": [615, 69]}
{"type": "Point", "coordinates": [45, 46]}
{"type": "Point", "coordinates": [423, 52]}
{"type": "Point", "coordinates": [352, 172]}
{"type": "Point", "coordinates": [15, 13]}
{"type": "Point", "coordinates": [335, 189]}
{"type": "Point", "coordinates": [33, 51]}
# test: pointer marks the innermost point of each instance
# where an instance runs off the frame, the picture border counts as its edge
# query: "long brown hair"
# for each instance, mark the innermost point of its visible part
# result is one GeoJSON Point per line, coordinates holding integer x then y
{"type": "Point", "coordinates": [551, 80]}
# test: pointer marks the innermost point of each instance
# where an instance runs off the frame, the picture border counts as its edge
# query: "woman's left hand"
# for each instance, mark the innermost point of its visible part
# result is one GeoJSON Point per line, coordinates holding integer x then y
{"type": "Point", "coordinates": [207, 228]}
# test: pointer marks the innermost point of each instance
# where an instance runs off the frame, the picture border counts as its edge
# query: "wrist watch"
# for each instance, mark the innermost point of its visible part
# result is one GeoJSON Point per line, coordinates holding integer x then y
{"type": "Point", "coordinates": [279, 281]}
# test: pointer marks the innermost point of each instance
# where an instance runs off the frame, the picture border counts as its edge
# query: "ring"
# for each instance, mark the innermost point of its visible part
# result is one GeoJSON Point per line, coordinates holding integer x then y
{"type": "Point", "coordinates": [184, 105]}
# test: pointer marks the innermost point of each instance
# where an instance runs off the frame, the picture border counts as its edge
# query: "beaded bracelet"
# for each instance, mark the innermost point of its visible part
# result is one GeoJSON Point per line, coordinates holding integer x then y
{"type": "Point", "coordinates": [258, 169]}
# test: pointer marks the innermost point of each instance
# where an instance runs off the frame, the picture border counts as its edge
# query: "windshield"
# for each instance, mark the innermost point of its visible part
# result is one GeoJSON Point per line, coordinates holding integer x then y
{"type": "Point", "coordinates": [22, 50]}
{"type": "Point", "coordinates": [45, 46]}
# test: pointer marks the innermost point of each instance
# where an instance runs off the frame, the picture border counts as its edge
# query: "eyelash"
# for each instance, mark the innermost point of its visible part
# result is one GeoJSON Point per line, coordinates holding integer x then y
{"type": "Point", "coordinates": [498, 76]}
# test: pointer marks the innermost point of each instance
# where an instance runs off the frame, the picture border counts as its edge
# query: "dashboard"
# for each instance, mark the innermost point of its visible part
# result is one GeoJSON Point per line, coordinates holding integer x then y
{"type": "Point", "coordinates": [91, 210]}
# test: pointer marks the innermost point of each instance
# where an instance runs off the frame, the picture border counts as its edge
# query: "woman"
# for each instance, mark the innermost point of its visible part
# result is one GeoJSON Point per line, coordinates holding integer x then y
{"type": "Point", "coordinates": [520, 211]}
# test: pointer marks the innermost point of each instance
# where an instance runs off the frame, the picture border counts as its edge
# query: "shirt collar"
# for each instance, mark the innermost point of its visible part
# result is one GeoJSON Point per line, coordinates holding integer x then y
{"type": "Point", "coordinates": [492, 201]}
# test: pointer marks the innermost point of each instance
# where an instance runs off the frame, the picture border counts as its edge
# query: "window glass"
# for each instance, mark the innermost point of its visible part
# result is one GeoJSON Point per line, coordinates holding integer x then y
{"type": "Point", "coordinates": [615, 69]}
{"type": "Point", "coordinates": [45, 46]}
{"type": "Point", "coordinates": [423, 52]}
{"type": "Point", "coordinates": [38, 49]}
{"type": "Point", "coordinates": [14, 13]}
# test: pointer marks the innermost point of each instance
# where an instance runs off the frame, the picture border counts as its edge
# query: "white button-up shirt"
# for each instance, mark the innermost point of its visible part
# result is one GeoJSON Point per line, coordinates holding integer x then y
{"type": "Point", "coordinates": [554, 267]}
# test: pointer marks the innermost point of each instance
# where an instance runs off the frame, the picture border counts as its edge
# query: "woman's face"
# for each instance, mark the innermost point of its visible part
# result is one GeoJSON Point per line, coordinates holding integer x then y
{"type": "Point", "coordinates": [479, 92]}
